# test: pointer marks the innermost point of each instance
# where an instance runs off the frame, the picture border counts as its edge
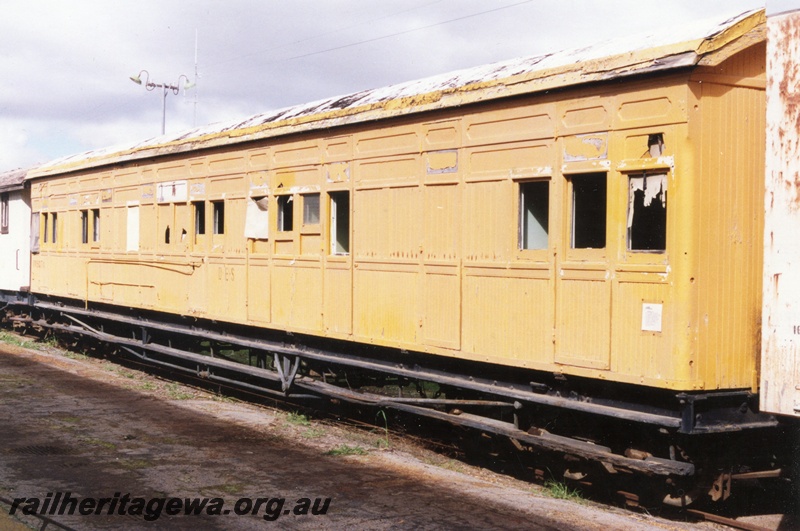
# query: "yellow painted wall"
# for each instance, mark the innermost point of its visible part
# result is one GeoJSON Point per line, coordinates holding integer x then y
{"type": "Point", "coordinates": [435, 263]}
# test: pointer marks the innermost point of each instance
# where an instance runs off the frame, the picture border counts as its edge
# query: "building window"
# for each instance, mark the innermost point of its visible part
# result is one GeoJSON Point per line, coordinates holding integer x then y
{"type": "Point", "coordinates": [285, 213]}
{"type": "Point", "coordinates": [84, 226]}
{"type": "Point", "coordinates": [534, 209]}
{"type": "Point", "coordinates": [311, 209]}
{"type": "Point", "coordinates": [340, 222]}
{"type": "Point", "coordinates": [219, 217]}
{"type": "Point", "coordinates": [647, 212]}
{"type": "Point", "coordinates": [96, 225]}
{"type": "Point", "coordinates": [589, 211]}
{"type": "Point", "coordinates": [4, 213]}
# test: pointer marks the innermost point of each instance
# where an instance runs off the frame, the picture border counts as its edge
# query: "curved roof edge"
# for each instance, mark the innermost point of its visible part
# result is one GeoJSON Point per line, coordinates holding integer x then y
{"type": "Point", "coordinates": [694, 43]}
{"type": "Point", "coordinates": [12, 180]}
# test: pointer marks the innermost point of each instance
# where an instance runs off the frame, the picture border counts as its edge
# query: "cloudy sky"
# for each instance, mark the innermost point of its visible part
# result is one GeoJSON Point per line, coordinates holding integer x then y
{"type": "Point", "coordinates": [65, 65]}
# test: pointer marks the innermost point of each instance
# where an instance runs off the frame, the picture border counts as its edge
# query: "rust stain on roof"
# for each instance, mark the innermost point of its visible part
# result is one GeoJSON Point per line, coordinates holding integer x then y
{"type": "Point", "coordinates": [692, 44]}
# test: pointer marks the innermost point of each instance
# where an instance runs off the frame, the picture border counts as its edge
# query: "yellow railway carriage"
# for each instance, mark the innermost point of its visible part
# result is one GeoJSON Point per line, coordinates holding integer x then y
{"type": "Point", "coordinates": [567, 250]}
{"type": "Point", "coordinates": [570, 214]}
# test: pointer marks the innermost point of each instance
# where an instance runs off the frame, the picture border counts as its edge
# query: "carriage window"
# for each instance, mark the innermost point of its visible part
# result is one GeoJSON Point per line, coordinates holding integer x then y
{"type": "Point", "coordinates": [534, 206]}
{"type": "Point", "coordinates": [35, 234]}
{"type": "Point", "coordinates": [256, 223]}
{"type": "Point", "coordinates": [285, 213]}
{"type": "Point", "coordinates": [647, 212]}
{"type": "Point", "coordinates": [46, 226]}
{"type": "Point", "coordinates": [219, 217]}
{"type": "Point", "coordinates": [311, 209]}
{"type": "Point", "coordinates": [54, 234]}
{"type": "Point", "coordinates": [4, 213]}
{"type": "Point", "coordinates": [340, 222]}
{"type": "Point", "coordinates": [199, 218]}
{"type": "Point", "coordinates": [84, 226]}
{"type": "Point", "coordinates": [96, 225]}
{"type": "Point", "coordinates": [589, 211]}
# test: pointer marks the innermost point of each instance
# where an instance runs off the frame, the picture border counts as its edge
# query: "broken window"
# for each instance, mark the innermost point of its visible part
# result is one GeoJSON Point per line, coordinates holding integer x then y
{"type": "Point", "coordinates": [199, 218]}
{"type": "Point", "coordinates": [84, 226]}
{"type": "Point", "coordinates": [647, 212]}
{"type": "Point", "coordinates": [256, 225]}
{"type": "Point", "coordinates": [655, 145]}
{"type": "Point", "coordinates": [340, 222]}
{"type": "Point", "coordinates": [96, 225]}
{"type": "Point", "coordinates": [219, 216]}
{"type": "Point", "coordinates": [534, 207]}
{"type": "Point", "coordinates": [4, 213]}
{"type": "Point", "coordinates": [285, 213]}
{"type": "Point", "coordinates": [589, 211]}
{"type": "Point", "coordinates": [311, 209]}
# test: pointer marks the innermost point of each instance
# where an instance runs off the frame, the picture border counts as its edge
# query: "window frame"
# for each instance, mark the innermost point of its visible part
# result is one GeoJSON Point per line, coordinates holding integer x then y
{"type": "Point", "coordinates": [84, 226]}
{"type": "Point", "coordinates": [583, 218]}
{"type": "Point", "coordinates": [218, 217]}
{"type": "Point", "coordinates": [285, 204]}
{"type": "Point", "coordinates": [54, 227]}
{"type": "Point", "coordinates": [310, 208]}
{"type": "Point", "coordinates": [335, 208]}
{"type": "Point", "coordinates": [5, 213]}
{"type": "Point", "coordinates": [95, 225]}
{"type": "Point", "coordinates": [522, 230]}
{"type": "Point", "coordinates": [663, 175]}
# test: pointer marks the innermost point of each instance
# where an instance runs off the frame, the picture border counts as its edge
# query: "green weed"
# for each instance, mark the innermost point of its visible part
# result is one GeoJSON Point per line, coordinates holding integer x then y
{"type": "Point", "coordinates": [344, 449]}
{"type": "Point", "coordinates": [561, 491]}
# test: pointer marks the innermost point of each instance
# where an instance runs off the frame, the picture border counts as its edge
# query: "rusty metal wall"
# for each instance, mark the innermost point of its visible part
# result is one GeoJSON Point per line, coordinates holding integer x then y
{"type": "Point", "coordinates": [780, 355]}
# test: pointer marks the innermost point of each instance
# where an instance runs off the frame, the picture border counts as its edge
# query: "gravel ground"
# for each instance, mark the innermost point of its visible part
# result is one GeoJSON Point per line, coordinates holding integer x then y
{"type": "Point", "coordinates": [69, 423]}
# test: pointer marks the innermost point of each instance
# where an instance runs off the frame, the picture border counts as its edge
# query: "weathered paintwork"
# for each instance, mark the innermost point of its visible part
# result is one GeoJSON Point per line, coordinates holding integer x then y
{"type": "Point", "coordinates": [780, 357]}
{"type": "Point", "coordinates": [694, 42]}
{"type": "Point", "coordinates": [460, 234]}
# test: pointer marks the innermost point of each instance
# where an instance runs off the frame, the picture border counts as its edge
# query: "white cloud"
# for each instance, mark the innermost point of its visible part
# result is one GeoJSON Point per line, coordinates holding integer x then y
{"type": "Point", "coordinates": [64, 66]}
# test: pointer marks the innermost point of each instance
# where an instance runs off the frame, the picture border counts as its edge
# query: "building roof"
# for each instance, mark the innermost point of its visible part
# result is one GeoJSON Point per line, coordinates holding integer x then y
{"type": "Point", "coordinates": [694, 43]}
{"type": "Point", "coordinates": [12, 180]}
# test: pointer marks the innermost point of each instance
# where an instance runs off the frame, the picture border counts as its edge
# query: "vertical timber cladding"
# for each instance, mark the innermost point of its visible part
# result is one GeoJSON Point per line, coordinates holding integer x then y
{"type": "Point", "coordinates": [226, 276]}
{"type": "Point", "coordinates": [337, 311]}
{"type": "Point", "coordinates": [257, 233]}
{"type": "Point", "coordinates": [508, 288]}
{"type": "Point", "coordinates": [780, 356]}
{"type": "Point", "coordinates": [584, 280]}
{"type": "Point", "coordinates": [441, 243]}
{"type": "Point", "coordinates": [296, 292]}
{"type": "Point", "coordinates": [387, 221]}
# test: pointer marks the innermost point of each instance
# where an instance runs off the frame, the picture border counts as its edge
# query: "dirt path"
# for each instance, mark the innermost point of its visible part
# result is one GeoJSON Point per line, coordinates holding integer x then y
{"type": "Point", "coordinates": [96, 430]}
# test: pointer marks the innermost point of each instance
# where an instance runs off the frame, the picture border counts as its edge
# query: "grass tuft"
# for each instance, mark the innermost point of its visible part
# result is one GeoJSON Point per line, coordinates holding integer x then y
{"type": "Point", "coordinates": [344, 449]}
{"type": "Point", "coordinates": [561, 491]}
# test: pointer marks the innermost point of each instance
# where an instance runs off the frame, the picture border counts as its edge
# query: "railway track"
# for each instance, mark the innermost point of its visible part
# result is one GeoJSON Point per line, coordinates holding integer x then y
{"type": "Point", "coordinates": [499, 449]}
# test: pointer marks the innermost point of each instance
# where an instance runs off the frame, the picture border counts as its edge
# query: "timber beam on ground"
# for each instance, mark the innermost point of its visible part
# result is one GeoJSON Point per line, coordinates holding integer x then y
{"type": "Point", "coordinates": [472, 383]}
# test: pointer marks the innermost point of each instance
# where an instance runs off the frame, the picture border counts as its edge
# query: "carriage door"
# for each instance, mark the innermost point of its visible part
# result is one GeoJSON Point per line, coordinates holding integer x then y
{"type": "Point", "coordinates": [583, 282]}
